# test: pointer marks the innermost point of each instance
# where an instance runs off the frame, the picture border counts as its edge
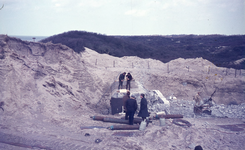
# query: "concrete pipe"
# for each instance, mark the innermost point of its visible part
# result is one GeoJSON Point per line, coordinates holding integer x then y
{"type": "Point", "coordinates": [100, 118]}
{"type": "Point", "coordinates": [115, 120]}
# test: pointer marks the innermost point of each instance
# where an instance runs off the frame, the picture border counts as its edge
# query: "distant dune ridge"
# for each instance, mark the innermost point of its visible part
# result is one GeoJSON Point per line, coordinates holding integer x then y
{"type": "Point", "coordinates": [50, 90]}
{"type": "Point", "coordinates": [221, 50]}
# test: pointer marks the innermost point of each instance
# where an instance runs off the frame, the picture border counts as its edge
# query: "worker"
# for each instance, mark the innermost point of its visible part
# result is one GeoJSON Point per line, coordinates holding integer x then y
{"type": "Point", "coordinates": [131, 106]}
{"type": "Point", "coordinates": [125, 98]}
{"type": "Point", "coordinates": [143, 108]}
{"type": "Point", "coordinates": [121, 79]}
{"type": "Point", "coordinates": [129, 78]}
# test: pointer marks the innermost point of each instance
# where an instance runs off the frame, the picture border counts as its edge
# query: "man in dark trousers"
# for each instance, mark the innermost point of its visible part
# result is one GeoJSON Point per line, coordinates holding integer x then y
{"type": "Point", "coordinates": [121, 78]}
{"type": "Point", "coordinates": [131, 106]}
{"type": "Point", "coordinates": [129, 78]}
{"type": "Point", "coordinates": [143, 107]}
{"type": "Point", "coordinates": [125, 98]}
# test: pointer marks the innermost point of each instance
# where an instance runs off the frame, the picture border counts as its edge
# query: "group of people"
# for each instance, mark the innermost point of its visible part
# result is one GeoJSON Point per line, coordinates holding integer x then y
{"type": "Point", "coordinates": [130, 106]}
{"type": "Point", "coordinates": [121, 79]}
{"type": "Point", "coordinates": [129, 102]}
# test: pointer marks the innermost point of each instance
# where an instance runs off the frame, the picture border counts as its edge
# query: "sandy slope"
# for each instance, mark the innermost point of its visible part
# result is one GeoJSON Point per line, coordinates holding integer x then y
{"type": "Point", "coordinates": [181, 77]}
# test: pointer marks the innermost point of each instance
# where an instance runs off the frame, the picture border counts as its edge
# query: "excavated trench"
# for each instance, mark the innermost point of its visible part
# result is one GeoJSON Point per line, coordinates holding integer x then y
{"type": "Point", "coordinates": [183, 107]}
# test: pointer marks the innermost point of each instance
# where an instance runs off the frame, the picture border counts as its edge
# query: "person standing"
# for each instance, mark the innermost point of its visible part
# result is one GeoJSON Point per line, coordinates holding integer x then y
{"type": "Point", "coordinates": [121, 78]}
{"type": "Point", "coordinates": [198, 99]}
{"type": "Point", "coordinates": [198, 104]}
{"type": "Point", "coordinates": [131, 106]}
{"type": "Point", "coordinates": [129, 78]}
{"type": "Point", "coordinates": [143, 107]}
{"type": "Point", "coordinates": [125, 98]}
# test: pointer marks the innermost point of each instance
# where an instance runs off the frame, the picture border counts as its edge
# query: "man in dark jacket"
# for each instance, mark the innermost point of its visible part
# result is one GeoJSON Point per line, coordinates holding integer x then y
{"type": "Point", "coordinates": [129, 78]}
{"type": "Point", "coordinates": [125, 98]}
{"type": "Point", "coordinates": [121, 78]}
{"type": "Point", "coordinates": [131, 106]}
{"type": "Point", "coordinates": [143, 107]}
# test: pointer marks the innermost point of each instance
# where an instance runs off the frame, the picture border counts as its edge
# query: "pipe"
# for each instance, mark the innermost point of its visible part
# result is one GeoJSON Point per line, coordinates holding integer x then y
{"type": "Point", "coordinates": [100, 118]}
{"type": "Point", "coordinates": [124, 127]}
{"type": "Point", "coordinates": [91, 127]}
{"type": "Point", "coordinates": [115, 120]}
{"type": "Point", "coordinates": [138, 120]}
{"type": "Point", "coordinates": [168, 116]}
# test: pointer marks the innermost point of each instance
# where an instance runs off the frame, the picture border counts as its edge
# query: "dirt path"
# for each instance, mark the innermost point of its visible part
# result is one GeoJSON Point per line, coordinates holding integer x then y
{"type": "Point", "coordinates": [203, 131]}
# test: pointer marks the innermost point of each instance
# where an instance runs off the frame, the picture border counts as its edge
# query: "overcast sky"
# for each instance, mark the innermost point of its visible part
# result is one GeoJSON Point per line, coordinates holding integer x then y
{"type": "Point", "coordinates": [122, 17]}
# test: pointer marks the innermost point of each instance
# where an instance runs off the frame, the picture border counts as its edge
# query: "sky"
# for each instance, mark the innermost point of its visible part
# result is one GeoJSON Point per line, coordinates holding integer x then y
{"type": "Point", "coordinates": [122, 17]}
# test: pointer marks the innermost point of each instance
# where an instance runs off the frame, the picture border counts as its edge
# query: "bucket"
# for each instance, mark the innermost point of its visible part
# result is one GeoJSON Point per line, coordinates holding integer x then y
{"type": "Point", "coordinates": [142, 125]}
{"type": "Point", "coordinates": [162, 121]}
